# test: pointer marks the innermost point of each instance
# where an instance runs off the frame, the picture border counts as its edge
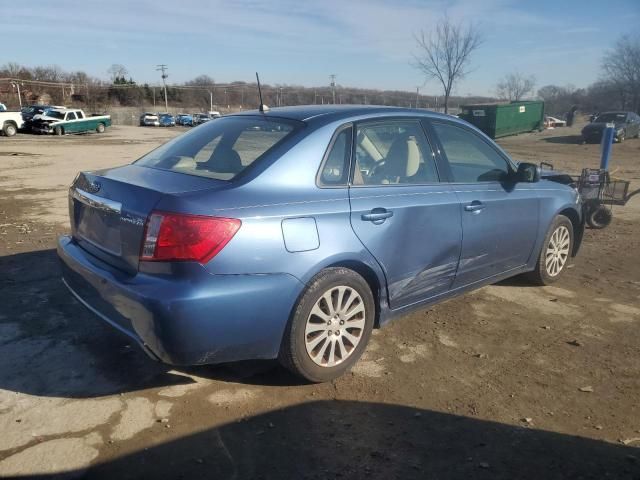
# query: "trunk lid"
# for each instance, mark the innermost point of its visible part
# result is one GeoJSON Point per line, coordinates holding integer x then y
{"type": "Point", "coordinates": [108, 209]}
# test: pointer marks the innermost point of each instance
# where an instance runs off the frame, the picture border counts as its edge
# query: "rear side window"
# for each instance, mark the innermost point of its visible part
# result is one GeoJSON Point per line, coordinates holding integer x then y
{"type": "Point", "coordinates": [221, 149]}
{"type": "Point", "coordinates": [335, 169]}
{"type": "Point", "coordinates": [393, 153]}
{"type": "Point", "coordinates": [470, 158]}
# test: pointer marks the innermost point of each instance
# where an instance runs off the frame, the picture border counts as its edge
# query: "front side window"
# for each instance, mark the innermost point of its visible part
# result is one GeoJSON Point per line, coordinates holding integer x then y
{"type": "Point", "coordinates": [71, 116]}
{"type": "Point", "coordinates": [335, 169]}
{"type": "Point", "coordinates": [471, 159]}
{"type": "Point", "coordinates": [392, 153]}
{"type": "Point", "coordinates": [220, 149]}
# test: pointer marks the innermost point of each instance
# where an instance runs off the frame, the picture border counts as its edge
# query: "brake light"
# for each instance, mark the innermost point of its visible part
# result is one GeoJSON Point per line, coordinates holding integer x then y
{"type": "Point", "coordinates": [179, 237]}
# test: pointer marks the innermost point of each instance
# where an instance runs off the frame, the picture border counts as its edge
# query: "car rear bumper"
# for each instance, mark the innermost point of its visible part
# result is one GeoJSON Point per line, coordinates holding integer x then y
{"type": "Point", "coordinates": [194, 319]}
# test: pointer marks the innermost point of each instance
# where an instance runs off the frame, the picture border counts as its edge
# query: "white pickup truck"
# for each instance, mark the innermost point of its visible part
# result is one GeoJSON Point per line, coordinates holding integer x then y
{"type": "Point", "coordinates": [10, 123]}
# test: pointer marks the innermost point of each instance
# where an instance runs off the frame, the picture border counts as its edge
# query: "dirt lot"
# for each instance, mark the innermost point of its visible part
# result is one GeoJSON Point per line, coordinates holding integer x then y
{"type": "Point", "coordinates": [508, 382]}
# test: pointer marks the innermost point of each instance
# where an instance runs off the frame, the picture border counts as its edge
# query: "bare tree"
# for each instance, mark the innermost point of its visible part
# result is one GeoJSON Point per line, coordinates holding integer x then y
{"type": "Point", "coordinates": [117, 71]}
{"type": "Point", "coordinates": [622, 67]}
{"type": "Point", "coordinates": [444, 53]}
{"type": "Point", "coordinates": [515, 87]}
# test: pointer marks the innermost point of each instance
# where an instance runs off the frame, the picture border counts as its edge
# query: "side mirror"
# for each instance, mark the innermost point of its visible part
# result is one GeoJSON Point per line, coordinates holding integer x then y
{"type": "Point", "coordinates": [528, 173]}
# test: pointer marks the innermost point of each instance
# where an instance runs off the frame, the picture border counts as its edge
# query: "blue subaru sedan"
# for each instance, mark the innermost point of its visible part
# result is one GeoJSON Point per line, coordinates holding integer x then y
{"type": "Point", "coordinates": [292, 233]}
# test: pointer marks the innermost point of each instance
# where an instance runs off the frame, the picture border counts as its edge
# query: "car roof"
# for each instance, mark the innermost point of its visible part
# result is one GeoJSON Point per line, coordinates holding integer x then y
{"type": "Point", "coordinates": [328, 113]}
{"type": "Point", "coordinates": [615, 112]}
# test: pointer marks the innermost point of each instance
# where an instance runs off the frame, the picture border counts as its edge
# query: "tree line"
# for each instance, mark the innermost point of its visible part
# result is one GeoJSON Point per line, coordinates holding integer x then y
{"type": "Point", "coordinates": [444, 54]}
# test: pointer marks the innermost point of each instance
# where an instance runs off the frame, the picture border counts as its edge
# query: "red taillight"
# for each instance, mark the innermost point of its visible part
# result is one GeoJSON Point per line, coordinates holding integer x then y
{"type": "Point", "coordinates": [179, 237]}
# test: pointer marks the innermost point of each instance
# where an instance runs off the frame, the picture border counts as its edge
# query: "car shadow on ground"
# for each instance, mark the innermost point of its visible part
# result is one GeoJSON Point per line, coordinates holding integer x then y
{"type": "Point", "coordinates": [565, 139]}
{"type": "Point", "coordinates": [358, 440]}
{"type": "Point", "coordinates": [51, 345]}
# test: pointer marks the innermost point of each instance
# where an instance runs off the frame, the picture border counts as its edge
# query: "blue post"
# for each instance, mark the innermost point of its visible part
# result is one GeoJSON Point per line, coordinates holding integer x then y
{"type": "Point", "coordinates": [607, 140]}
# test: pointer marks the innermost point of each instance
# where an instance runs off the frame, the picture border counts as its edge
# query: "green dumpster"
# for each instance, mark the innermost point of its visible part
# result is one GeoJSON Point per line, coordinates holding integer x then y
{"type": "Point", "coordinates": [502, 119]}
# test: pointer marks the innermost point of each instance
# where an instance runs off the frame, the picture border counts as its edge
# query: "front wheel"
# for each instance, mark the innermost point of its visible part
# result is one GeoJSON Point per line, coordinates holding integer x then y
{"type": "Point", "coordinates": [330, 326]}
{"type": "Point", "coordinates": [620, 137]}
{"type": "Point", "coordinates": [58, 131]}
{"type": "Point", "coordinates": [555, 252]}
{"type": "Point", "coordinates": [10, 129]}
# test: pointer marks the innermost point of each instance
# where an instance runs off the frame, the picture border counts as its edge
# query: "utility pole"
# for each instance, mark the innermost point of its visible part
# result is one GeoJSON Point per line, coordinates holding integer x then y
{"type": "Point", "coordinates": [333, 87]}
{"type": "Point", "coordinates": [163, 68]}
{"type": "Point", "coordinates": [417, 96]}
{"type": "Point", "coordinates": [153, 89]}
{"type": "Point", "coordinates": [17, 85]}
{"type": "Point", "coordinates": [210, 101]}
{"type": "Point", "coordinates": [226, 100]}
{"type": "Point", "coordinates": [280, 102]}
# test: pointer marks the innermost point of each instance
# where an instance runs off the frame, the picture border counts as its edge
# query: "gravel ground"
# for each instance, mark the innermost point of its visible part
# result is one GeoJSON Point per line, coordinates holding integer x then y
{"type": "Point", "coordinates": [508, 382]}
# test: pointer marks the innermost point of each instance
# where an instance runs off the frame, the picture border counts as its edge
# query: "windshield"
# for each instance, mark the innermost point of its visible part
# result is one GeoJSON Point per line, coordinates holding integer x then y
{"type": "Point", "coordinates": [220, 149]}
{"type": "Point", "coordinates": [611, 117]}
{"type": "Point", "coordinates": [54, 114]}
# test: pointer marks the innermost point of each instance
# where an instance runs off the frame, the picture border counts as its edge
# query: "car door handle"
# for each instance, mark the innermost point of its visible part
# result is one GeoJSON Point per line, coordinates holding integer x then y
{"type": "Point", "coordinates": [474, 206]}
{"type": "Point", "coordinates": [377, 215]}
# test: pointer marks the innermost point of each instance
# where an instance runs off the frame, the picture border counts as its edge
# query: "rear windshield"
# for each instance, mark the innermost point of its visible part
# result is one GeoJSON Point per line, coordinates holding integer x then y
{"type": "Point", "coordinates": [220, 149]}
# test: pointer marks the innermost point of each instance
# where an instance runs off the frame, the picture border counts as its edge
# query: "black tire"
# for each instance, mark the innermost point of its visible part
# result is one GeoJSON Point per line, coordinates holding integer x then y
{"type": "Point", "coordinates": [57, 130]}
{"type": "Point", "coordinates": [599, 217]}
{"type": "Point", "coordinates": [100, 128]}
{"type": "Point", "coordinates": [10, 129]}
{"type": "Point", "coordinates": [293, 351]}
{"type": "Point", "coordinates": [620, 138]}
{"type": "Point", "coordinates": [541, 275]}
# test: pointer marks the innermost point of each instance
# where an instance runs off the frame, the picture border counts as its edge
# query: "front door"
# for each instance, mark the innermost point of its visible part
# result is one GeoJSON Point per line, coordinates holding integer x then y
{"type": "Point", "coordinates": [499, 216]}
{"type": "Point", "coordinates": [402, 213]}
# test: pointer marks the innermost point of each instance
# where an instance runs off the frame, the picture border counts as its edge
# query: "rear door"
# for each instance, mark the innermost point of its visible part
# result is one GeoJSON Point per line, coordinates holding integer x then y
{"type": "Point", "coordinates": [401, 212]}
{"type": "Point", "coordinates": [499, 216]}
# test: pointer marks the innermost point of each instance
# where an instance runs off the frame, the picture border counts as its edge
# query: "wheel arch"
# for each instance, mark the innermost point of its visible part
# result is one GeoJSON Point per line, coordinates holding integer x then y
{"type": "Point", "coordinates": [369, 275]}
{"type": "Point", "coordinates": [578, 227]}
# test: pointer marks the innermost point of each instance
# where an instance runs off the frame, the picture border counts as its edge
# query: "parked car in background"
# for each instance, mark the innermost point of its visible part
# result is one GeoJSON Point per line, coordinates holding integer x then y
{"type": "Point", "coordinates": [69, 120]}
{"type": "Point", "coordinates": [185, 120]}
{"type": "Point", "coordinates": [553, 122]}
{"type": "Point", "coordinates": [149, 119]}
{"type": "Point", "coordinates": [10, 122]}
{"type": "Point", "coordinates": [166, 120]}
{"type": "Point", "coordinates": [213, 114]}
{"type": "Point", "coordinates": [200, 118]}
{"type": "Point", "coordinates": [297, 231]}
{"type": "Point", "coordinates": [32, 110]}
{"type": "Point", "coordinates": [626, 124]}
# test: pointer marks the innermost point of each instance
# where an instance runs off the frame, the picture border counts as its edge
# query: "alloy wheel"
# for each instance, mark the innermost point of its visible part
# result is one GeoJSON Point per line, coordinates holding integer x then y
{"type": "Point", "coordinates": [335, 326]}
{"type": "Point", "coordinates": [557, 251]}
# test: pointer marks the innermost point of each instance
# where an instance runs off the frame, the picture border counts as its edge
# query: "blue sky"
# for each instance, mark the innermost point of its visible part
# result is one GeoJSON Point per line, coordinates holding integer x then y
{"type": "Point", "coordinates": [366, 43]}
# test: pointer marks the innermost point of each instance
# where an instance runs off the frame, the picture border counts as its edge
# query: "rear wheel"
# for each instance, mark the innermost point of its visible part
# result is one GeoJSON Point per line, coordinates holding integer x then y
{"type": "Point", "coordinates": [100, 128]}
{"type": "Point", "coordinates": [555, 252]}
{"type": "Point", "coordinates": [330, 326]}
{"type": "Point", "coordinates": [58, 130]}
{"type": "Point", "coordinates": [10, 129]}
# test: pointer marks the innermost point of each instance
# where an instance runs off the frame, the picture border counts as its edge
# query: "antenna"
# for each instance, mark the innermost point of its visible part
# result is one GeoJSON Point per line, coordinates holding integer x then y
{"type": "Point", "coordinates": [263, 108]}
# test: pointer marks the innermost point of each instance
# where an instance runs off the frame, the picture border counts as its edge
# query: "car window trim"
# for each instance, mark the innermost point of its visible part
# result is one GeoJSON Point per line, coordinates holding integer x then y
{"type": "Point", "coordinates": [445, 159]}
{"type": "Point", "coordinates": [386, 120]}
{"type": "Point", "coordinates": [327, 152]}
